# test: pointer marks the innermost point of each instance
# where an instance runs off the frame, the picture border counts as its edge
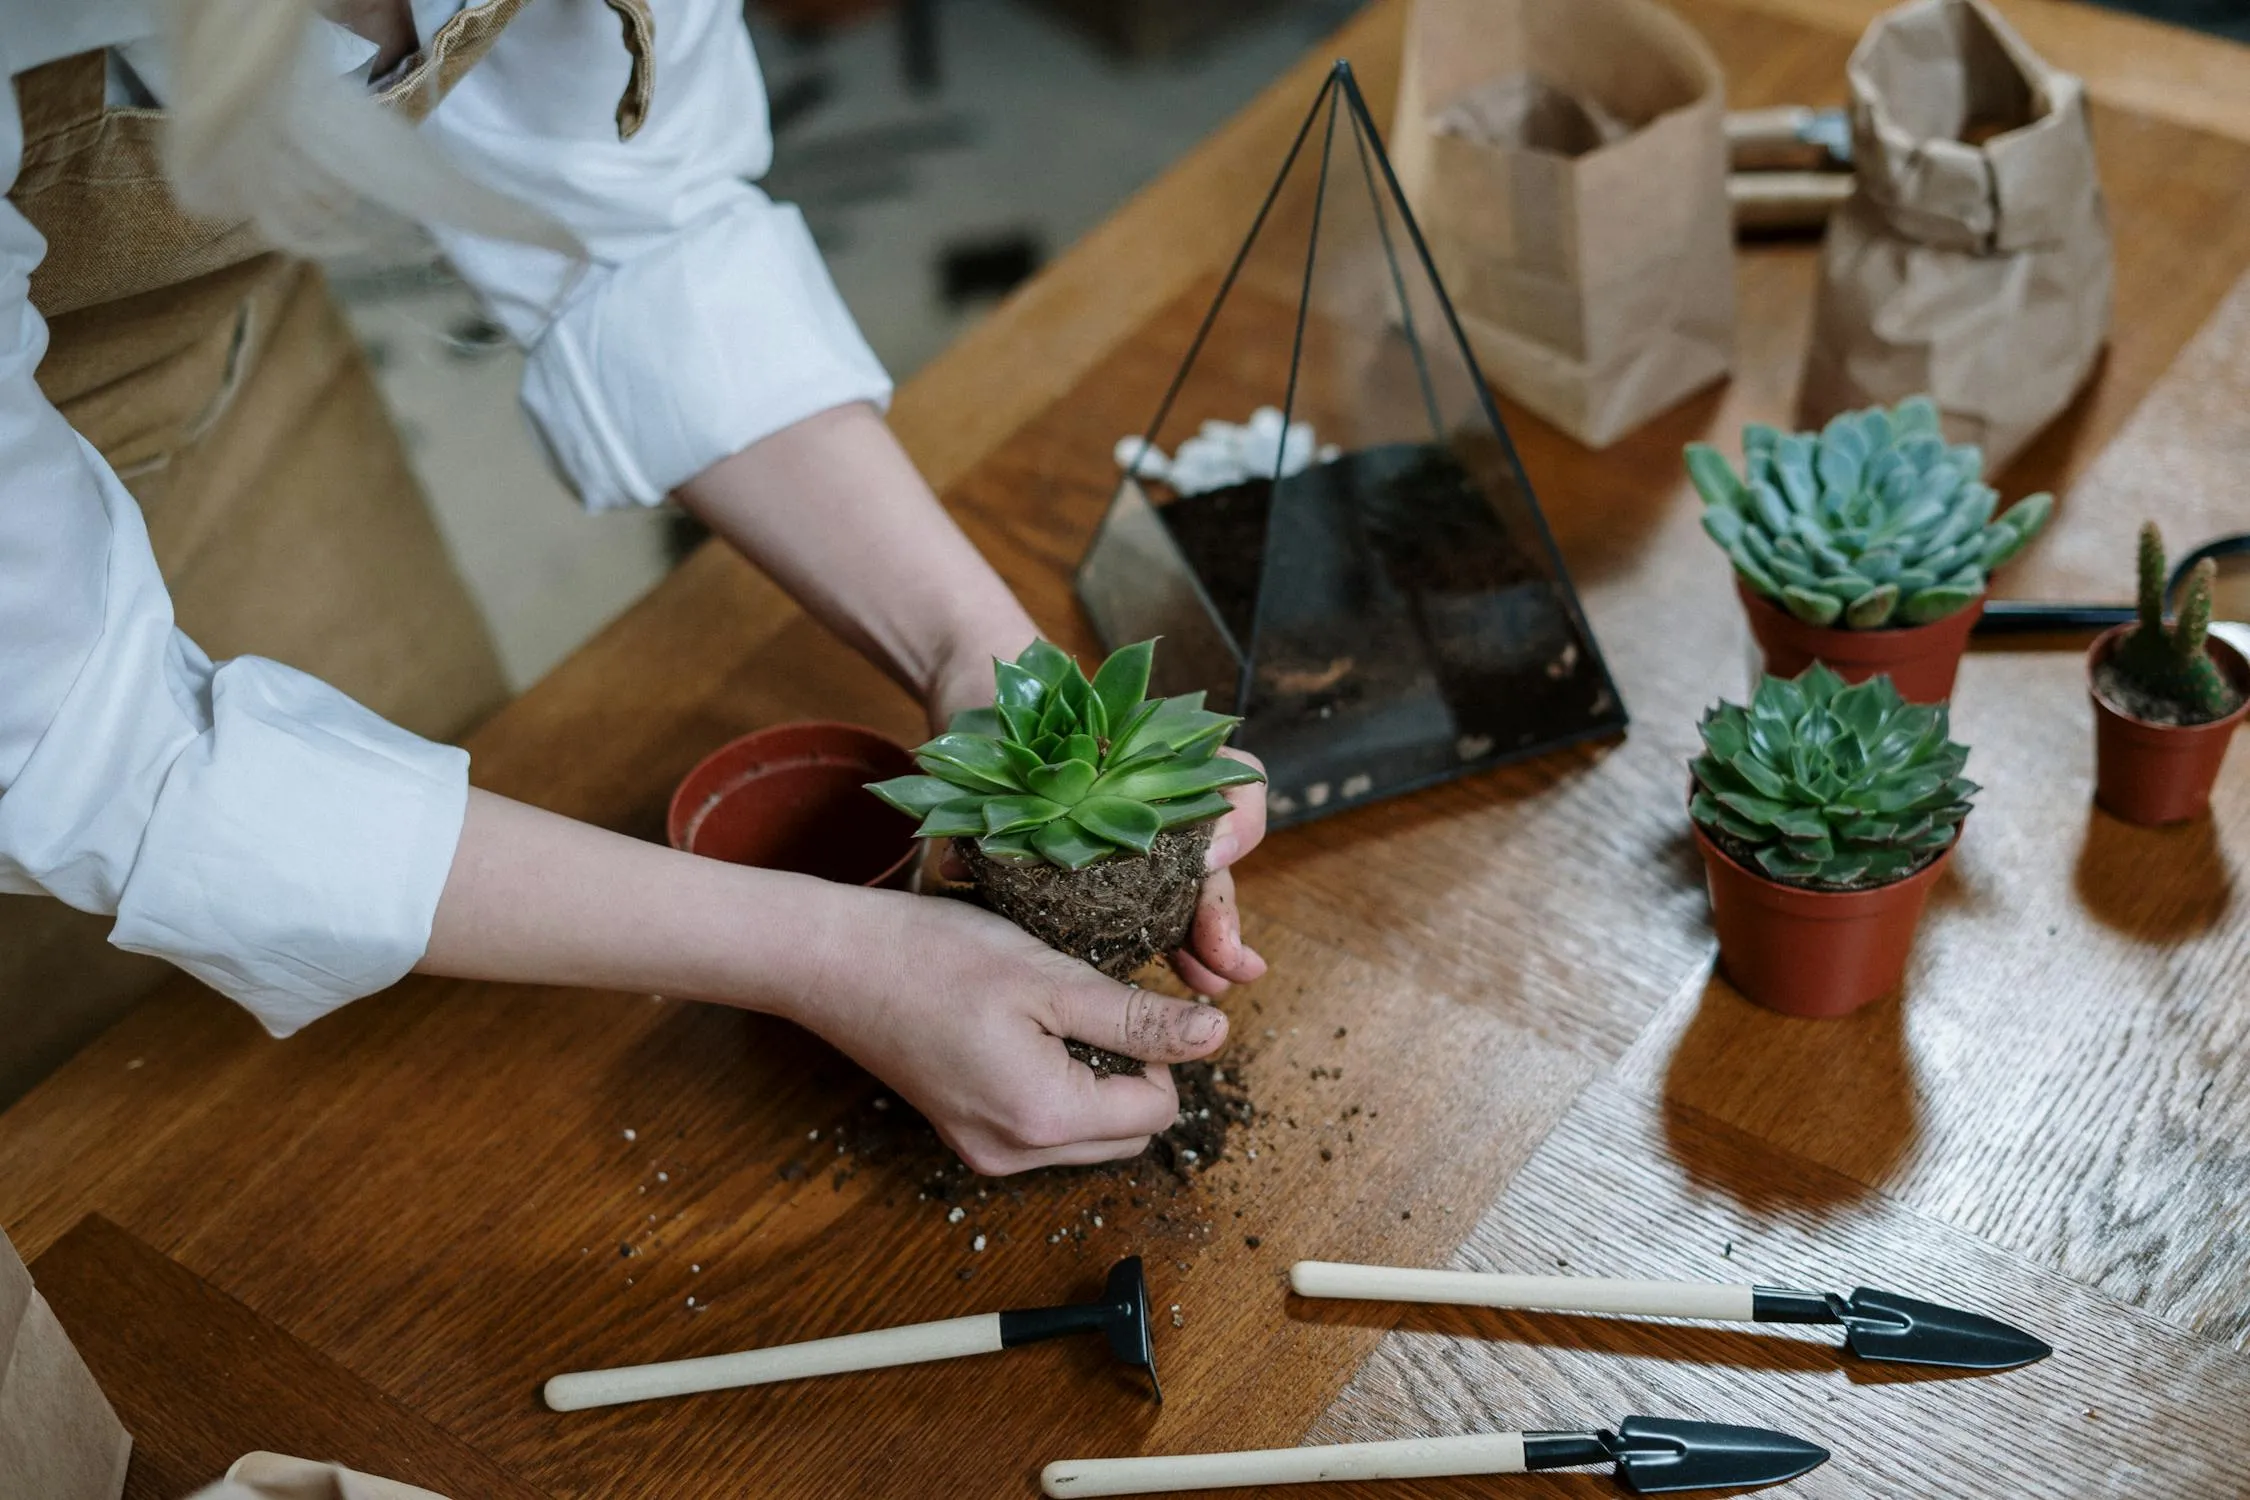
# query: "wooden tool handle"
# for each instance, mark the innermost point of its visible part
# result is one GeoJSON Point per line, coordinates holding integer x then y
{"type": "Point", "coordinates": [1773, 129]}
{"type": "Point", "coordinates": [1573, 1294]}
{"type": "Point", "coordinates": [1786, 200]}
{"type": "Point", "coordinates": [1407, 1458]}
{"type": "Point", "coordinates": [910, 1345]}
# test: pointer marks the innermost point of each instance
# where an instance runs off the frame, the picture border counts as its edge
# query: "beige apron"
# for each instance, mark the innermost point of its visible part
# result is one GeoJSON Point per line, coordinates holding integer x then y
{"type": "Point", "coordinates": [225, 388]}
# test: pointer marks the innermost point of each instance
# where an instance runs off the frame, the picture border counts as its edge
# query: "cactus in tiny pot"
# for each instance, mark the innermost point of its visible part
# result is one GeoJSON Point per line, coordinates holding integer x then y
{"type": "Point", "coordinates": [1824, 811]}
{"type": "Point", "coordinates": [1082, 807]}
{"type": "Point", "coordinates": [2167, 698]}
{"type": "Point", "coordinates": [1866, 545]}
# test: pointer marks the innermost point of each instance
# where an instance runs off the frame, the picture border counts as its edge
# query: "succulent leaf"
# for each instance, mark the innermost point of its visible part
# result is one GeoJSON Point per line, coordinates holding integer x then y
{"type": "Point", "coordinates": [1039, 776]}
{"type": "Point", "coordinates": [1047, 662]}
{"type": "Point", "coordinates": [1064, 843]}
{"type": "Point", "coordinates": [1827, 785]}
{"type": "Point", "coordinates": [1121, 820]}
{"type": "Point", "coordinates": [1122, 681]}
{"type": "Point", "coordinates": [1822, 522]}
{"type": "Point", "coordinates": [1811, 607]}
{"type": "Point", "coordinates": [917, 796]}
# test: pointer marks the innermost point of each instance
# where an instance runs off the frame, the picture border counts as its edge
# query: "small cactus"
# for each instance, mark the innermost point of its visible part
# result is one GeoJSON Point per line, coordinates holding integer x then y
{"type": "Point", "coordinates": [2169, 661]}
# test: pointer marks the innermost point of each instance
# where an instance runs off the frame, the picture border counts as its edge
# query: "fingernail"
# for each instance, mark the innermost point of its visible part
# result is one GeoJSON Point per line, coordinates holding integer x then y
{"type": "Point", "coordinates": [1223, 848]}
{"type": "Point", "coordinates": [1203, 1026]}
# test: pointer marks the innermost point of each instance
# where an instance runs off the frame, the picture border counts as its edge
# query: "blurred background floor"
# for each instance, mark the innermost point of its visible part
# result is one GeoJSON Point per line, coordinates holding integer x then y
{"type": "Point", "coordinates": [937, 169]}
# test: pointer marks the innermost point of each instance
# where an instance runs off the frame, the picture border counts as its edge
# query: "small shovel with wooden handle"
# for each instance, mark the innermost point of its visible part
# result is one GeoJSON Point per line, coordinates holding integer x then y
{"type": "Point", "coordinates": [1121, 1315]}
{"type": "Point", "coordinates": [1877, 1325]}
{"type": "Point", "coordinates": [1654, 1456]}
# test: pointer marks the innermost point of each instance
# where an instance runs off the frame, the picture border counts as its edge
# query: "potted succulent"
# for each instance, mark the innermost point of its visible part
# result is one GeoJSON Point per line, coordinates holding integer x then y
{"type": "Point", "coordinates": [1825, 812]}
{"type": "Point", "coordinates": [2167, 699]}
{"type": "Point", "coordinates": [1865, 545]}
{"type": "Point", "coordinates": [1081, 807]}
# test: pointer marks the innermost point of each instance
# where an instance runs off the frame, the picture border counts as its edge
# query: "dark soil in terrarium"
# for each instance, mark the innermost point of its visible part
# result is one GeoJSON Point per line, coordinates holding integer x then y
{"type": "Point", "coordinates": [2129, 697]}
{"type": "Point", "coordinates": [1410, 624]}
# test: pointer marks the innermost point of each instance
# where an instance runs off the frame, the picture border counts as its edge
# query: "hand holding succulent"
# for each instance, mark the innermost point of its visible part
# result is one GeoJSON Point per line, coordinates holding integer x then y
{"type": "Point", "coordinates": [1828, 786]}
{"type": "Point", "coordinates": [1072, 770]}
{"type": "Point", "coordinates": [1873, 521]}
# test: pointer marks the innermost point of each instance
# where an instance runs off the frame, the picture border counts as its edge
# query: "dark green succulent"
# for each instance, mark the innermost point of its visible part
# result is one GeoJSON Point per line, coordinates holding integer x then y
{"type": "Point", "coordinates": [2169, 661]}
{"type": "Point", "coordinates": [1830, 786]}
{"type": "Point", "coordinates": [1069, 769]}
{"type": "Point", "coordinates": [1872, 521]}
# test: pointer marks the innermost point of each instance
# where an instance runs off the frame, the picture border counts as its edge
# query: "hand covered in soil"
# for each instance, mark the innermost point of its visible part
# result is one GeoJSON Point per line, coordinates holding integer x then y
{"type": "Point", "coordinates": [964, 1014]}
{"type": "Point", "coordinates": [1216, 956]}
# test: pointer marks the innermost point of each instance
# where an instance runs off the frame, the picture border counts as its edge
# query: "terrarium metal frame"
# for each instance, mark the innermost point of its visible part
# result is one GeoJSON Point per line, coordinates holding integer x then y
{"type": "Point", "coordinates": [1527, 635]}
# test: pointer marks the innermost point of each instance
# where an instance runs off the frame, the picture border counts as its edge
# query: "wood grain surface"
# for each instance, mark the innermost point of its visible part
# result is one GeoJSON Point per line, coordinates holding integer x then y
{"type": "Point", "coordinates": [200, 1380]}
{"type": "Point", "coordinates": [437, 1190]}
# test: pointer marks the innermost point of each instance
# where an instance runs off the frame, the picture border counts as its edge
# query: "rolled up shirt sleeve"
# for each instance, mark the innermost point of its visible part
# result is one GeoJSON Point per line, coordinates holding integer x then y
{"type": "Point", "coordinates": [241, 819]}
{"type": "Point", "coordinates": [702, 318]}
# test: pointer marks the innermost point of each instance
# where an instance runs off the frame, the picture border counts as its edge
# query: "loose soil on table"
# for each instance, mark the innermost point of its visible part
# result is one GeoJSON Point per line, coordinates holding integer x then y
{"type": "Point", "coordinates": [2128, 697]}
{"type": "Point", "coordinates": [1152, 1197]}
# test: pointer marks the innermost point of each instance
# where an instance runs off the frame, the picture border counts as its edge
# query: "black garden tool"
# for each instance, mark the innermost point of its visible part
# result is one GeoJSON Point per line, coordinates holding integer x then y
{"type": "Point", "coordinates": [1877, 1325]}
{"type": "Point", "coordinates": [1654, 1456]}
{"type": "Point", "coordinates": [1121, 1314]}
{"type": "Point", "coordinates": [2031, 616]}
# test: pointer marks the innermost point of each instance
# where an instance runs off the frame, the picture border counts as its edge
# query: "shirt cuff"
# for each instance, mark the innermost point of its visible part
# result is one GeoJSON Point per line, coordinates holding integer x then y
{"type": "Point", "coordinates": [691, 351]}
{"type": "Point", "coordinates": [297, 850]}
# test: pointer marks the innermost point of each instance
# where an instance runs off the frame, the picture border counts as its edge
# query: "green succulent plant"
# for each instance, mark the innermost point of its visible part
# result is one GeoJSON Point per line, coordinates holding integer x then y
{"type": "Point", "coordinates": [1068, 769]}
{"type": "Point", "coordinates": [1831, 786]}
{"type": "Point", "coordinates": [2168, 661]}
{"type": "Point", "coordinates": [1872, 521]}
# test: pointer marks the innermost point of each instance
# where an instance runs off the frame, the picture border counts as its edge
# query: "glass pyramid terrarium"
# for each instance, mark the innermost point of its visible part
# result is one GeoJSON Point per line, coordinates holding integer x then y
{"type": "Point", "coordinates": [1362, 574]}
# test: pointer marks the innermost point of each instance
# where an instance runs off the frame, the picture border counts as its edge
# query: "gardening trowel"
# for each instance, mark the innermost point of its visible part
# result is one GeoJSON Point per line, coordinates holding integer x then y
{"type": "Point", "coordinates": [1877, 1325]}
{"type": "Point", "coordinates": [1654, 1456]}
{"type": "Point", "coordinates": [2025, 616]}
{"type": "Point", "coordinates": [1121, 1315]}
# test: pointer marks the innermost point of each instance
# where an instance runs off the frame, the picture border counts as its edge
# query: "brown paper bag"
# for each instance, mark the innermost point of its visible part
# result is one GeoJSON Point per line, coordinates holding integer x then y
{"type": "Point", "coordinates": [1973, 259]}
{"type": "Point", "coordinates": [1567, 162]}
{"type": "Point", "coordinates": [274, 1476]}
{"type": "Point", "coordinates": [59, 1440]}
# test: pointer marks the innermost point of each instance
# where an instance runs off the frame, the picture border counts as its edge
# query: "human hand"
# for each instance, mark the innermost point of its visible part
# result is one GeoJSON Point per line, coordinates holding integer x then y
{"type": "Point", "coordinates": [964, 1014]}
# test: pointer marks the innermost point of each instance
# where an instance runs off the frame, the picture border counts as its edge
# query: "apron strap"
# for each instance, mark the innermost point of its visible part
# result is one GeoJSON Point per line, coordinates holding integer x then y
{"type": "Point", "coordinates": [462, 41]}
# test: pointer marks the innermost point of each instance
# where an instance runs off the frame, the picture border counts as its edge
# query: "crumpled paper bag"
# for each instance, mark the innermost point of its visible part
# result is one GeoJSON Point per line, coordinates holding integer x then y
{"type": "Point", "coordinates": [1567, 162]}
{"type": "Point", "coordinates": [272, 1476]}
{"type": "Point", "coordinates": [59, 1439]}
{"type": "Point", "coordinates": [1973, 259]}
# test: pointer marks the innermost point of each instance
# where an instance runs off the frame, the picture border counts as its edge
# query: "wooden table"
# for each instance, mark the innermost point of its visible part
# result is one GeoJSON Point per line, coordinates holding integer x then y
{"type": "Point", "coordinates": [1492, 1036]}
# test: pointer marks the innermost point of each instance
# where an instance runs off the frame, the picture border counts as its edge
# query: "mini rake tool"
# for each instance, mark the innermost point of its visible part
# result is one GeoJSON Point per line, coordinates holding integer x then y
{"type": "Point", "coordinates": [1877, 1325]}
{"type": "Point", "coordinates": [1121, 1315]}
{"type": "Point", "coordinates": [1654, 1456]}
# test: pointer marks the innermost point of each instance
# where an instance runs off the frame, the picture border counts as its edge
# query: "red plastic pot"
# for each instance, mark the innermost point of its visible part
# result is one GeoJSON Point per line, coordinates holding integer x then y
{"type": "Point", "coordinates": [794, 797]}
{"type": "Point", "coordinates": [1921, 659]}
{"type": "Point", "coordinates": [1813, 953]}
{"type": "Point", "coordinates": [2159, 773]}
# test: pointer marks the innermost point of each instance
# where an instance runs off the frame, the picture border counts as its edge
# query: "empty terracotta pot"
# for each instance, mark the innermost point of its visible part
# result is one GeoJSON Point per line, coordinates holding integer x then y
{"type": "Point", "coordinates": [2159, 773]}
{"type": "Point", "coordinates": [1921, 659]}
{"type": "Point", "coordinates": [794, 797]}
{"type": "Point", "coordinates": [1812, 953]}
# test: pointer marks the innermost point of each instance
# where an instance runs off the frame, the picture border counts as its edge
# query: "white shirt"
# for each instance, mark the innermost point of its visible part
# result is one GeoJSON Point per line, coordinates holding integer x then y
{"type": "Point", "coordinates": [242, 819]}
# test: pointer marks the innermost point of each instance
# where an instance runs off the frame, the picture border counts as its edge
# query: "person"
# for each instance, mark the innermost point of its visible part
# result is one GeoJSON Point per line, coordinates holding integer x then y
{"type": "Point", "coordinates": [586, 166]}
